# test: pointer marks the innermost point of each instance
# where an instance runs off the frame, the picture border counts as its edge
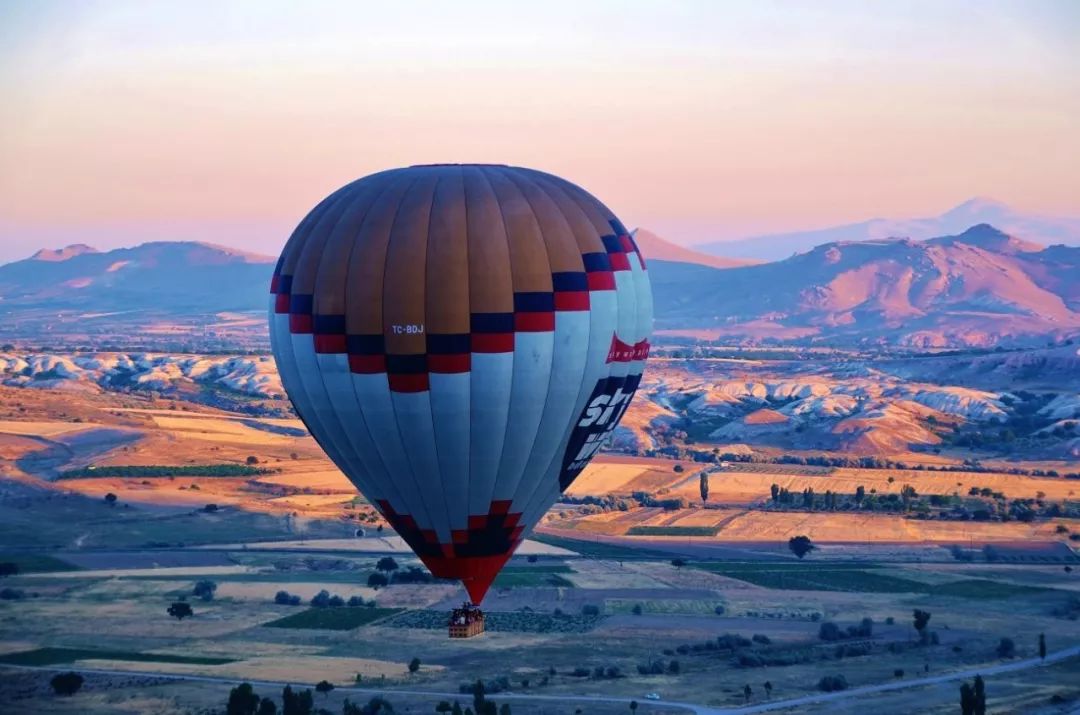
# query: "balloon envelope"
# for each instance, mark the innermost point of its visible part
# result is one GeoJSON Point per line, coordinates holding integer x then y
{"type": "Point", "coordinates": [460, 340]}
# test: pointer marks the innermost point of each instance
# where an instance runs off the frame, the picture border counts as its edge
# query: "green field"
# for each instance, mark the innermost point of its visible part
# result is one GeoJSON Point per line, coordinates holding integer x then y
{"type": "Point", "coordinates": [860, 578]}
{"type": "Point", "coordinates": [58, 656]}
{"type": "Point", "coordinates": [673, 530]}
{"type": "Point", "coordinates": [332, 619]}
{"type": "Point", "coordinates": [36, 563]}
{"type": "Point", "coordinates": [599, 550]}
{"type": "Point", "coordinates": [157, 470]}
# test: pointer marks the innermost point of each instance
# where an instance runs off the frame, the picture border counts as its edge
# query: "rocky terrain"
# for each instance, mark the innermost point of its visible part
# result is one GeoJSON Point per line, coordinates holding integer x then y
{"type": "Point", "coordinates": [256, 376]}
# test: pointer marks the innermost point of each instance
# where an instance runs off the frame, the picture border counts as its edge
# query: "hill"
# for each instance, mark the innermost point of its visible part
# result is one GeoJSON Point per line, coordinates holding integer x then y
{"type": "Point", "coordinates": [1042, 229]}
{"type": "Point", "coordinates": [978, 288]}
{"type": "Point", "coordinates": [162, 277]}
{"type": "Point", "coordinates": [657, 249]}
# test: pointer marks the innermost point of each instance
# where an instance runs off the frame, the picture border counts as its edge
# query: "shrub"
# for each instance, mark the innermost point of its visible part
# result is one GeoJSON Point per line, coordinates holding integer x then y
{"type": "Point", "coordinates": [414, 665]}
{"type": "Point", "coordinates": [180, 610]}
{"type": "Point", "coordinates": [590, 610]}
{"type": "Point", "coordinates": [204, 589]}
{"type": "Point", "coordinates": [898, 673]}
{"type": "Point", "coordinates": [66, 683]}
{"type": "Point", "coordinates": [376, 580]}
{"type": "Point", "coordinates": [829, 631]}
{"type": "Point", "coordinates": [284, 598]}
{"type": "Point", "coordinates": [719, 610]}
{"type": "Point", "coordinates": [832, 683]}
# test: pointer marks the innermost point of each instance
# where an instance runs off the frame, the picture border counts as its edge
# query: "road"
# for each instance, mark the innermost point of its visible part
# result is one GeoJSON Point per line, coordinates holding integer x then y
{"type": "Point", "coordinates": [1056, 657]}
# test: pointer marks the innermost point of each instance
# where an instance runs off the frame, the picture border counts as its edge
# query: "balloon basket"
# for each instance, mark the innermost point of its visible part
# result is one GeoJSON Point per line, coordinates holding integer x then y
{"type": "Point", "coordinates": [466, 622]}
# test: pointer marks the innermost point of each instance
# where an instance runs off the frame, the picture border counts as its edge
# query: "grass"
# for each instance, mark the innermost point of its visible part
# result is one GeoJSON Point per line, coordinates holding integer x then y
{"type": "Point", "coordinates": [332, 619]}
{"type": "Point", "coordinates": [37, 563]}
{"type": "Point", "coordinates": [207, 470]}
{"type": "Point", "coordinates": [538, 575]}
{"type": "Point", "coordinates": [600, 550]}
{"type": "Point", "coordinates": [859, 578]}
{"type": "Point", "coordinates": [673, 531]}
{"type": "Point", "coordinates": [56, 656]}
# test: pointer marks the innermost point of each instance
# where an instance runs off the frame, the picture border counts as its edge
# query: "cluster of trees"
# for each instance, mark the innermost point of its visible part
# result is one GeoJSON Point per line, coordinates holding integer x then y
{"type": "Point", "coordinates": [829, 631]}
{"type": "Point", "coordinates": [973, 697]}
{"type": "Point", "coordinates": [188, 470]}
{"type": "Point", "coordinates": [324, 599]}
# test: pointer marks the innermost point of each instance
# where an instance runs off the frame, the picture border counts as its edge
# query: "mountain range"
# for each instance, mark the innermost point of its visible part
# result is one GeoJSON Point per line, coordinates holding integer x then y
{"type": "Point", "coordinates": [979, 287]}
{"type": "Point", "coordinates": [1046, 230]}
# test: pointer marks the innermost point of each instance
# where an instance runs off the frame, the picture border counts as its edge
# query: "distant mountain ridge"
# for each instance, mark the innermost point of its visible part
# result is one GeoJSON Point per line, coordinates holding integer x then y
{"type": "Point", "coordinates": [979, 287]}
{"type": "Point", "coordinates": [1045, 230]}
{"type": "Point", "coordinates": [163, 276]}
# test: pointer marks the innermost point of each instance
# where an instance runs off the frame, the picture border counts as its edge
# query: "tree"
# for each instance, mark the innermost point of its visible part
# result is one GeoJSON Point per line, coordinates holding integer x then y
{"type": "Point", "coordinates": [252, 460]}
{"type": "Point", "coordinates": [180, 610]}
{"type": "Point", "coordinates": [110, 499]}
{"type": "Point", "coordinates": [457, 708]}
{"type": "Point", "coordinates": [294, 703]}
{"type": "Point", "coordinates": [980, 695]}
{"type": "Point", "coordinates": [504, 709]}
{"type": "Point", "coordinates": [205, 590]}
{"type": "Point", "coordinates": [443, 707]}
{"type": "Point", "coordinates": [210, 508]}
{"type": "Point", "coordinates": [66, 683]}
{"type": "Point", "coordinates": [9, 568]}
{"type": "Point", "coordinates": [800, 545]}
{"type": "Point", "coordinates": [242, 700]}
{"type": "Point", "coordinates": [387, 564]}
{"type": "Point", "coordinates": [1042, 646]}
{"type": "Point", "coordinates": [775, 491]}
{"type": "Point", "coordinates": [703, 485]}
{"type": "Point", "coordinates": [478, 696]}
{"type": "Point", "coordinates": [747, 692]}
{"type": "Point", "coordinates": [678, 563]}
{"type": "Point", "coordinates": [967, 700]}
{"type": "Point", "coordinates": [920, 619]}
{"type": "Point", "coordinates": [324, 687]}
{"type": "Point", "coordinates": [633, 706]}
{"type": "Point", "coordinates": [266, 707]}
{"type": "Point", "coordinates": [768, 688]}
{"type": "Point", "coordinates": [1006, 648]}
{"type": "Point", "coordinates": [414, 665]}
{"type": "Point", "coordinates": [860, 494]}
{"type": "Point", "coordinates": [377, 579]}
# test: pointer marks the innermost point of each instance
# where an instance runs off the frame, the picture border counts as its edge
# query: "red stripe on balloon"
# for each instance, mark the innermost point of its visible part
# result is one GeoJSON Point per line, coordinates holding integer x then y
{"type": "Point", "coordinates": [367, 364]}
{"type": "Point", "coordinates": [493, 342]}
{"type": "Point", "coordinates": [300, 324]}
{"type": "Point", "coordinates": [601, 280]}
{"type": "Point", "coordinates": [416, 382]}
{"type": "Point", "coordinates": [330, 344]}
{"type": "Point", "coordinates": [449, 364]}
{"type": "Point", "coordinates": [572, 300]}
{"type": "Point", "coordinates": [534, 322]}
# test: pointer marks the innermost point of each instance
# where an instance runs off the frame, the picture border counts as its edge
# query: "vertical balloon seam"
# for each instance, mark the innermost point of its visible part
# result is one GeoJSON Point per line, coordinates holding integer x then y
{"type": "Point", "coordinates": [515, 177]}
{"type": "Point", "coordinates": [501, 173]}
{"type": "Point", "coordinates": [544, 497]}
{"type": "Point", "coordinates": [314, 245]}
{"type": "Point", "coordinates": [403, 186]}
{"type": "Point", "coordinates": [357, 462]}
{"type": "Point", "coordinates": [429, 519]}
{"type": "Point", "coordinates": [380, 474]}
{"type": "Point", "coordinates": [604, 370]}
{"type": "Point", "coordinates": [434, 431]}
{"type": "Point", "coordinates": [506, 235]}
{"type": "Point", "coordinates": [468, 300]}
{"type": "Point", "coordinates": [292, 372]}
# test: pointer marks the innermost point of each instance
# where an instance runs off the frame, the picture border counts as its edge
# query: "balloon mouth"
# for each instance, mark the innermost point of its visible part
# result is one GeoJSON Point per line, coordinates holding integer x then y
{"type": "Point", "coordinates": [476, 573]}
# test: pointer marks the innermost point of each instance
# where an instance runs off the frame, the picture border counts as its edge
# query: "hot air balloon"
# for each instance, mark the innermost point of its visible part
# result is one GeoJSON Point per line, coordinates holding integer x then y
{"type": "Point", "coordinates": [461, 340]}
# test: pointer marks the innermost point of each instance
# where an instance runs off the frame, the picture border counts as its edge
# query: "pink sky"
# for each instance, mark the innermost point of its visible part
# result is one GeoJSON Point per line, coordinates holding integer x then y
{"type": "Point", "coordinates": [126, 122]}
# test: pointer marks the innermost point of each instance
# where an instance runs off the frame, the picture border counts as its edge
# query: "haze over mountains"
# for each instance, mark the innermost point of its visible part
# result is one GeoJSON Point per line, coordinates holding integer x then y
{"type": "Point", "coordinates": [1047, 230]}
{"type": "Point", "coordinates": [980, 287]}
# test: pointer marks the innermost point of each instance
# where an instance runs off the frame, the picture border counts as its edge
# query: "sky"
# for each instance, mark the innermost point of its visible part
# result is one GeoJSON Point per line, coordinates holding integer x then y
{"type": "Point", "coordinates": [125, 122]}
